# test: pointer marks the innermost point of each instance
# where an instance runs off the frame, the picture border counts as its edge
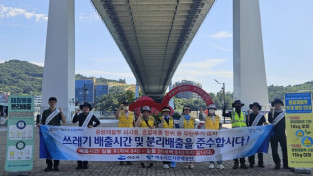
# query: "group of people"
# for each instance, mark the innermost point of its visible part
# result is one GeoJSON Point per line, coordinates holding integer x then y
{"type": "Point", "coordinates": [127, 119]}
{"type": "Point", "coordinates": [255, 118]}
{"type": "Point", "coordinates": [53, 117]}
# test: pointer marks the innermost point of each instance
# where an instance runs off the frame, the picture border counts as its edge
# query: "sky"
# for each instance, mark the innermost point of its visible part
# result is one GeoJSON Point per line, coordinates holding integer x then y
{"type": "Point", "coordinates": [287, 30]}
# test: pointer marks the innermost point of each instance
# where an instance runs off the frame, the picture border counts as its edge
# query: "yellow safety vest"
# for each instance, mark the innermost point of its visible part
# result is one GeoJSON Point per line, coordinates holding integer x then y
{"type": "Point", "coordinates": [124, 121]}
{"type": "Point", "coordinates": [237, 121]}
{"type": "Point", "coordinates": [150, 122]}
{"type": "Point", "coordinates": [170, 123]}
{"type": "Point", "coordinates": [213, 125]}
{"type": "Point", "coordinates": [189, 124]}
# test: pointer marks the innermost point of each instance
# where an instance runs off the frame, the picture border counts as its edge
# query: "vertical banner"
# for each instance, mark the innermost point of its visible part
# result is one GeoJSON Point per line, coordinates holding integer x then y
{"type": "Point", "coordinates": [299, 128]}
{"type": "Point", "coordinates": [20, 134]}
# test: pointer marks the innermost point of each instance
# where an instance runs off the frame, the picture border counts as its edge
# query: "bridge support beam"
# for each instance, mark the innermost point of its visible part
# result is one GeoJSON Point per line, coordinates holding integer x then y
{"type": "Point", "coordinates": [137, 91]}
{"type": "Point", "coordinates": [249, 69]}
{"type": "Point", "coordinates": [171, 103]}
{"type": "Point", "coordinates": [59, 69]}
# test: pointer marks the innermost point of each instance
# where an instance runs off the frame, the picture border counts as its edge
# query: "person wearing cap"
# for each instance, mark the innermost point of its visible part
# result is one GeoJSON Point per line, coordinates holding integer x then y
{"type": "Point", "coordinates": [166, 122]}
{"type": "Point", "coordinates": [238, 120]}
{"type": "Point", "coordinates": [277, 118]}
{"type": "Point", "coordinates": [125, 120]}
{"type": "Point", "coordinates": [52, 116]}
{"type": "Point", "coordinates": [256, 119]}
{"type": "Point", "coordinates": [213, 122]}
{"type": "Point", "coordinates": [188, 123]}
{"type": "Point", "coordinates": [146, 121]}
{"type": "Point", "coordinates": [85, 119]}
{"type": "Point", "coordinates": [178, 123]}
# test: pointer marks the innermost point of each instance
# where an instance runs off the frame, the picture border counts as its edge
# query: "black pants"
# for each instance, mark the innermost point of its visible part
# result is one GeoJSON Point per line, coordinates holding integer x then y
{"type": "Point", "coordinates": [252, 159]}
{"type": "Point", "coordinates": [55, 162]}
{"type": "Point", "coordinates": [281, 138]}
{"type": "Point", "coordinates": [242, 160]}
{"type": "Point", "coordinates": [82, 163]}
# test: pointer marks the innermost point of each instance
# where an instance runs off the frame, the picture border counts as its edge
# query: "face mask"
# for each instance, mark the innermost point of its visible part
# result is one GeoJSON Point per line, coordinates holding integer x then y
{"type": "Point", "coordinates": [212, 111]}
{"type": "Point", "coordinates": [125, 108]}
{"type": "Point", "coordinates": [166, 117]}
{"type": "Point", "coordinates": [187, 117]}
{"type": "Point", "coordinates": [238, 108]}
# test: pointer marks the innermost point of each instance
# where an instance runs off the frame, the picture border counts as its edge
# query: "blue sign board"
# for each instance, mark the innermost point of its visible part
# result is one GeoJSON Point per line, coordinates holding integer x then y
{"type": "Point", "coordinates": [298, 103]}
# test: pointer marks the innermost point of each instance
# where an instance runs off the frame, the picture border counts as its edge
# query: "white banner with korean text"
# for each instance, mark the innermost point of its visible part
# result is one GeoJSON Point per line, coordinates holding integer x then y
{"type": "Point", "coordinates": [143, 144]}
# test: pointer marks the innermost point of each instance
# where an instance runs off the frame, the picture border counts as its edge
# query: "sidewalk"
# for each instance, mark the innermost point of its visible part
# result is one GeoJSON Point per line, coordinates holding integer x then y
{"type": "Point", "coordinates": [113, 168]}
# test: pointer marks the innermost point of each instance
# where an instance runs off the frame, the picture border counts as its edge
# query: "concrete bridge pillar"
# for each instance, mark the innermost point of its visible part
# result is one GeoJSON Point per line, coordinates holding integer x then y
{"type": "Point", "coordinates": [59, 68]}
{"type": "Point", "coordinates": [249, 69]}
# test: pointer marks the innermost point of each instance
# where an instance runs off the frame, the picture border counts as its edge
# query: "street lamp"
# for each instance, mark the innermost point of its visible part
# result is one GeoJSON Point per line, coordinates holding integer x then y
{"type": "Point", "coordinates": [72, 101]}
{"type": "Point", "coordinates": [224, 97]}
{"type": "Point", "coordinates": [85, 93]}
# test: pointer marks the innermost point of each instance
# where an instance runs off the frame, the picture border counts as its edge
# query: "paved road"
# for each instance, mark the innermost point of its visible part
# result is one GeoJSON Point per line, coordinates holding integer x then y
{"type": "Point", "coordinates": [67, 168]}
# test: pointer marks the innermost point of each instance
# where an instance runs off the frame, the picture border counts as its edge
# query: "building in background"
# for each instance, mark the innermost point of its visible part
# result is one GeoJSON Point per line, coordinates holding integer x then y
{"type": "Point", "coordinates": [4, 103]}
{"type": "Point", "coordinates": [84, 91]}
{"type": "Point", "coordinates": [89, 91]}
{"type": "Point", "coordinates": [37, 104]}
{"type": "Point", "coordinates": [101, 90]}
{"type": "Point", "coordinates": [187, 95]}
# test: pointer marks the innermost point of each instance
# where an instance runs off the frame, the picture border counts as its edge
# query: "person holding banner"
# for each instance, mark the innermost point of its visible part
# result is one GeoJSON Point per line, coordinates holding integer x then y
{"type": "Point", "coordinates": [188, 123]}
{"type": "Point", "coordinates": [256, 119]}
{"type": "Point", "coordinates": [238, 120]}
{"type": "Point", "coordinates": [277, 118]}
{"type": "Point", "coordinates": [178, 123]}
{"type": "Point", "coordinates": [212, 122]}
{"type": "Point", "coordinates": [146, 121]}
{"type": "Point", "coordinates": [85, 119]}
{"type": "Point", "coordinates": [167, 122]}
{"type": "Point", "coordinates": [125, 120]}
{"type": "Point", "coordinates": [52, 116]}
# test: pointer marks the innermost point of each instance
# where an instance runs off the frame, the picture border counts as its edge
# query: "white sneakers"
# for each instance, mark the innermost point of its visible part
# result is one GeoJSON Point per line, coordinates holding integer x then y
{"type": "Point", "coordinates": [218, 166]}
{"type": "Point", "coordinates": [165, 166]}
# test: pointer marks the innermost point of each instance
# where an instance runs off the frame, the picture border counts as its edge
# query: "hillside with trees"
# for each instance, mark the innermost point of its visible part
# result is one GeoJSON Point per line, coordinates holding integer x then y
{"type": "Point", "coordinates": [22, 77]}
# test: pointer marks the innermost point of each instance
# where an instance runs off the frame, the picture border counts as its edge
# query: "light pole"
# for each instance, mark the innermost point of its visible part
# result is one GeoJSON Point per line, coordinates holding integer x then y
{"type": "Point", "coordinates": [224, 97]}
{"type": "Point", "coordinates": [85, 93]}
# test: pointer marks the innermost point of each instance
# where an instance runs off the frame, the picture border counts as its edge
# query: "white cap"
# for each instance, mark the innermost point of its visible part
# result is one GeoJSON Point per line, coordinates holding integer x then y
{"type": "Point", "coordinates": [212, 106]}
{"type": "Point", "coordinates": [145, 108]}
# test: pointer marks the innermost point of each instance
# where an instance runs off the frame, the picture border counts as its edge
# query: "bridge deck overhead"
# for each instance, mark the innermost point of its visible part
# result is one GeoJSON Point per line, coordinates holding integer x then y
{"type": "Point", "coordinates": [153, 35]}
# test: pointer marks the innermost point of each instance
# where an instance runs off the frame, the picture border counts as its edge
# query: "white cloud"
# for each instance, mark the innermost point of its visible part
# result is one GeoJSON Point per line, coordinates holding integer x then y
{"type": "Point", "coordinates": [41, 64]}
{"type": "Point", "coordinates": [205, 72]}
{"type": "Point", "coordinates": [284, 81]}
{"type": "Point", "coordinates": [220, 48]}
{"type": "Point", "coordinates": [221, 35]}
{"type": "Point", "coordinates": [8, 12]}
{"type": "Point", "coordinates": [2, 61]}
{"type": "Point", "coordinates": [88, 18]}
{"type": "Point", "coordinates": [199, 70]}
{"type": "Point", "coordinates": [98, 73]}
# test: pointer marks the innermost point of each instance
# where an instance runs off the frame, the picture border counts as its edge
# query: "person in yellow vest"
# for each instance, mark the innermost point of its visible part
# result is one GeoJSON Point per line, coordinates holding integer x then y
{"type": "Point", "coordinates": [166, 122]}
{"type": "Point", "coordinates": [238, 120]}
{"type": "Point", "coordinates": [212, 122]}
{"type": "Point", "coordinates": [146, 121]}
{"type": "Point", "coordinates": [188, 123]}
{"type": "Point", "coordinates": [125, 120]}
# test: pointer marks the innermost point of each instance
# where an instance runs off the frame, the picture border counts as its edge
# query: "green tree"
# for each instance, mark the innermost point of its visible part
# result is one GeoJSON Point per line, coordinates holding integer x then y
{"type": "Point", "coordinates": [112, 101]}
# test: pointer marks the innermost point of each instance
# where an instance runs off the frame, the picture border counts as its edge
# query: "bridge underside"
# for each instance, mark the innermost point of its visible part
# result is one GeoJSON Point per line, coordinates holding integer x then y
{"type": "Point", "coordinates": [153, 35]}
